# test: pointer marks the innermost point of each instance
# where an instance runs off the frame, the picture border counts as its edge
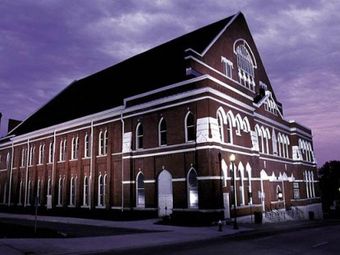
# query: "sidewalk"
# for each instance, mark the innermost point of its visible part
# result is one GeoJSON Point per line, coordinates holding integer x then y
{"type": "Point", "coordinates": [169, 235]}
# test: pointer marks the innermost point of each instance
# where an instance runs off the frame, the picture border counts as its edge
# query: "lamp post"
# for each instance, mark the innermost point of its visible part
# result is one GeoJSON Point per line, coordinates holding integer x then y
{"type": "Point", "coordinates": [232, 160]}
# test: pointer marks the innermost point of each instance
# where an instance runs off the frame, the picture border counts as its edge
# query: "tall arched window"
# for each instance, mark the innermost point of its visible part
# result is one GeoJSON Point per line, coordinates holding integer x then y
{"type": "Point", "coordinates": [86, 146]}
{"type": "Point", "coordinates": [86, 191]}
{"type": "Point", "coordinates": [162, 132]}
{"type": "Point", "coordinates": [29, 189]}
{"type": "Point", "coordinates": [20, 193]}
{"type": "Point", "coordinates": [60, 191]}
{"type": "Point", "coordinates": [106, 139]}
{"type": "Point", "coordinates": [23, 157]}
{"type": "Point", "coordinates": [50, 152]}
{"type": "Point", "coordinates": [229, 129]}
{"type": "Point", "coordinates": [140, 190]}
{"type": "Point", "coordinates": [103, 140]}
{"type": "Point", "coordinates": [62, 150]}
{"type": "Point", "coordinates": [101, 190]}
{"type": "Point", "coordinates": [73, 191]}
{"type": "Point", "coordinates": [38, 191]}
{"type": "Point", "coordinates": [220, 126]}
{"type": "Point", "coordinates": [49, 187]}
{"type": "Point", "coordinates": [139, 136]}
{"type": "Point", "coordinates": [31, 157]}
{"type": "Point", "coordinates": [190, 132]}
{"type": "Point", "coordinates": [75, 147]}
{"type": "Point", "coordinates": [245, 67]}
{"type": "Point", "coordinates": [192, 184]}
{"type": "Point", "coordinates": [41, 158]}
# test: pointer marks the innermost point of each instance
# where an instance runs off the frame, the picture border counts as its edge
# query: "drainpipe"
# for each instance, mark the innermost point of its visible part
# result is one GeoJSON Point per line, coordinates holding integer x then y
{"type": "Point", "coordinates": [26, 178]}
{"type": "Point", "coordinates": [91, 168]}
{"type": "Point", "coordinates": [123, 127]}
{"type": "Point", "coordinates": [10, 176]}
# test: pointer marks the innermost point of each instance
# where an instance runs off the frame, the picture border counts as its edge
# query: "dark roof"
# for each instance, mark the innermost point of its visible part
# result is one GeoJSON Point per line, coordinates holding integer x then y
{"type": "Point", "coordinates": [157, 67]}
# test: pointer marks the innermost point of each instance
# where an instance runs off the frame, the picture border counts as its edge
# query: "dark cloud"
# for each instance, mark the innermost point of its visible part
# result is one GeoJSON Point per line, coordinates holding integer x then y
{"type": "Point", "coordinates": [46, 44]}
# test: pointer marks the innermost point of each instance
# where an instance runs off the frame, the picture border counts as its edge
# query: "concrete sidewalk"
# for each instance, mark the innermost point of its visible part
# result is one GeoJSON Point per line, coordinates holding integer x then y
{"type": "Point", "coordinates": [169, 235]}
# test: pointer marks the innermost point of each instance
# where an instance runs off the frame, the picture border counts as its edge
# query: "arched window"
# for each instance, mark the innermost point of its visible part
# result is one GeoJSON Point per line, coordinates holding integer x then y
{"type": "Point", "coordinates": [50, 152]}
{"type": "Point", "coordinates": [31, 157]}
{"type": "Point", "coordinates": [220, 126]}
{"type": "Point", "coordinates": [101, 190]}
{"type": "Point", "coordinates": [41, 154]}
{"type": "Point", "coordinates": [75, 147]}
{"type": "Point", "coordinates": [192, 184]}
{"type": "Point", "coordinates": [60, 191]}
{"type": "Point", "coordinates": [140, 190]}
{"type": "Point", "coordinates": [190, 130]}
{"type": "Point", "coordinates": [139, 136]}
{"type": "Point", "coordinates": [86, 146]}
{"type": "Point", "coordinates": [241, 188]}
{"type": "Point", "coordinates": [245, 67]}
{"type": "Point", "coordinates": [23, 157]}
{"type": "Point", "coordinates": [162, 132]}
{"type": "Point", "coordinates": [20, 193]}
{"type": "Point", "coordinates": [229, 128]}
{"type": "Point", "coordinates": [29, 189]}
{"type": "Point", "coordinates": [103, 140]}
{"type": "Point", "coordinates": [38, 191]}
{"type": "Point", "coordinates": [73, 191]}
{"type": "Point", "coordinates": [86, 191]}
{"type": "Point", "coordinates": [62, 150]}
{"type": "Point", "coordinates": [49, 187]}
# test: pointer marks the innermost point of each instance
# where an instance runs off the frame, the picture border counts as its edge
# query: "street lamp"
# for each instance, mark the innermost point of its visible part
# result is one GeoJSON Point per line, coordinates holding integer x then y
{"type": "Point", "coordinates": [233, 180]}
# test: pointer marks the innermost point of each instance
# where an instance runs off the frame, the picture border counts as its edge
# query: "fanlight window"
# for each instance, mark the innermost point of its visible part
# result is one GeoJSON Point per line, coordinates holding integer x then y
{"type": "Point", "coordinates": [245, 67]}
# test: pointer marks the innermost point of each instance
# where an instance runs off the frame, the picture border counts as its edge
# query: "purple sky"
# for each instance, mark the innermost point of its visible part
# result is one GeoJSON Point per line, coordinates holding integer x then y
{"type": "Point", "coordinates": [46, 44]}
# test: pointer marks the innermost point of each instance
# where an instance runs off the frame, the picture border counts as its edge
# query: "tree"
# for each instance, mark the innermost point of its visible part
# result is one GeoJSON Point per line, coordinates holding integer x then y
{"type": "Point", "coordinates": [330, 184]}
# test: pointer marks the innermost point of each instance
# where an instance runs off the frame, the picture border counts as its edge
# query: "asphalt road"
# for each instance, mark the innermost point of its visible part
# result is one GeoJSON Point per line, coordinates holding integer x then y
{"type": "Point", "coordinates": [320, 240]}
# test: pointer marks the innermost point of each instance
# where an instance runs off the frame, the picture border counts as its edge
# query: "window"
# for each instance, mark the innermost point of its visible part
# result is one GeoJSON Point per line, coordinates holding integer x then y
{"type": "Point", "coordinates": [139, 136]}
{"type": "Point", "coordinates": [103, 139]}
{"type": "Point", "coordinates": [279, 194]}
{"type": "Point", "coordinates": [140, 190]}
{"type": "Point", "coordinates": [38, 191]}
{"type": "Point", "coordinates": [229, 129]}
{"type": "Point", "coordinates": [101, 190]}
{"type": "Point", "coordinates": [87, 146]}
{"type": "Point", "coordinates": [245, 67]}
{"type": "Point", "coordinates": [228, 67]}
{"type": "Point", "coordinates": [86, 191]}
{"type": "Point", "coordinates": [296, 190]}
{"type": "Point", "coordinates": [41, 158]}
{"type": "Point", "coordinates": [190, 132]}
{"type": "Point", "coordinates": [73, 191]}
{"type": "Point", "coordinates": [50, 152]}
{"type": "Point", "coordinates": [220, 126]}
{"type": "Point", "coordinates": [31, 157]}
{"type": "Point", "coordinates": [192, 184]}
{"type": "Point", "coordinates": [29, 189]}
{"type": "Point", "coordinates": [162, 132]}
{"type": "Point", "coordinates": [23, 157]}
{"type": "Point", "coordinates": [75, 147]}
{"type": "Point", "coordinates": [62, 150]}
{"type": "Point", "coordinates": [60, 191]}
{"type": "Point", "coordinates": [49, 187]}
{"type": "Point", "coordinates": [20, 193]}
{"type": "Point", "coordinates": [4, 200]}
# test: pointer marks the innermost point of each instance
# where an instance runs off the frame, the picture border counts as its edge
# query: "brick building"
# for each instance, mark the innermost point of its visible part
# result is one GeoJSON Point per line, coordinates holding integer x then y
{"type": "Point", "coordinates": [156, 132]}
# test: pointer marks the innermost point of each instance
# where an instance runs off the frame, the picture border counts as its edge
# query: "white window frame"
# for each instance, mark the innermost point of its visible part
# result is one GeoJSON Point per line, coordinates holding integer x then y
{"type": "Point", "coordinates": [186, 126]}
{"type": "Point", "coordinates": [86, 191]}
{"type": "Point", "coordinates": [162, 132]}
{"type": "Point", "coordinates": [139, 137]}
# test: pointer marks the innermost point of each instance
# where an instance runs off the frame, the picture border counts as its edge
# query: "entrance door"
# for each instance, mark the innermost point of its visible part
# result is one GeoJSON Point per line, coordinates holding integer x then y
{"type": "Point", "coordinates": [165, 197]}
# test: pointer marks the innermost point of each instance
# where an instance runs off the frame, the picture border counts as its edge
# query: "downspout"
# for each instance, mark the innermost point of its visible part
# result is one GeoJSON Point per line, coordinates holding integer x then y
{"type": "Point", "coordinates": [53, 167]}
{"type": "Point", "coordinates": [27, 158]}
{"type": "Point", "coordinates": [91, 167]}
{"type": "Point", "coordinates": [123, 127]}
{"type": "Point", "coordinates": [10, 176]}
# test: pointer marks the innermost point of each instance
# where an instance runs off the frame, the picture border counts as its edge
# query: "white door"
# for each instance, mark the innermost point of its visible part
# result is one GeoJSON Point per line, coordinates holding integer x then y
{"type": "Point", "coordinates": [226, 205]}
{"type": "Point", "coordinates": [165, 197]}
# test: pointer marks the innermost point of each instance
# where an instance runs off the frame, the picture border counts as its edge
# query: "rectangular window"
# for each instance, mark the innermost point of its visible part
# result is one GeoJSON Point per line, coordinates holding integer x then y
{"type": "Point", "coordinates": [228, 67]}
{"type": "Point", "coordinates": [296, 190]}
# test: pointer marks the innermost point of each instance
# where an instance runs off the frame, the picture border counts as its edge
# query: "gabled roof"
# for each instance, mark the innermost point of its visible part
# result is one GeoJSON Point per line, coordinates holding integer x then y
{"type": "Point", "coordinates": [157, 67]}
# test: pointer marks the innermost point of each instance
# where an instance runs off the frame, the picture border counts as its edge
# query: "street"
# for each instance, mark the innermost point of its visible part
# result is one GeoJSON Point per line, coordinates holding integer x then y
{"type": "Point", "coordinates": [321, 240]}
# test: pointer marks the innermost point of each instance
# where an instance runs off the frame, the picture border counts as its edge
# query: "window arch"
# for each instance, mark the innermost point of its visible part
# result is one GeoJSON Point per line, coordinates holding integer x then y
{"type": "Point", "coordinates": [31, 157]}
{"type": "Point", "coordinates": [192, 184]}
{"type": "Point", "coordinates": [139, 136]}
{"type": "Point", "coordinates": [41, 154]}
{"type": "Point", "coordinates": [220, 126]}
{"type": "Point", "coordinates": [101, 190]}
{"type": "Point", "coordinates": [230, 124]}
{"type": "Point", "coordinates": [162, 132]}
{"type": "Point", "coordinates": [86, 191]}
{"type": "Point", "coordinates": [190, 129]}
{"type": "Point", "coordinates": [245, 66]}
{"type": "Point", "coordinates": [50, 152]}
{"type": "Point", "coordinates": [140, 192]}
{"type": "Point", "coordinates": [86, 146]}
{"type": "Point", "coordinates": [73, 189]}
{"type": "Point", "coordinates": [75, 147]}
{"type": "Point", "coordinates": [103, 141]}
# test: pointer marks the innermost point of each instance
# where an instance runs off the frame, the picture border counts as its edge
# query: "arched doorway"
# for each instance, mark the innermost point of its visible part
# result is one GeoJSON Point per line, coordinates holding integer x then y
{"type": "Point", "coordinates": [165, 197]}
